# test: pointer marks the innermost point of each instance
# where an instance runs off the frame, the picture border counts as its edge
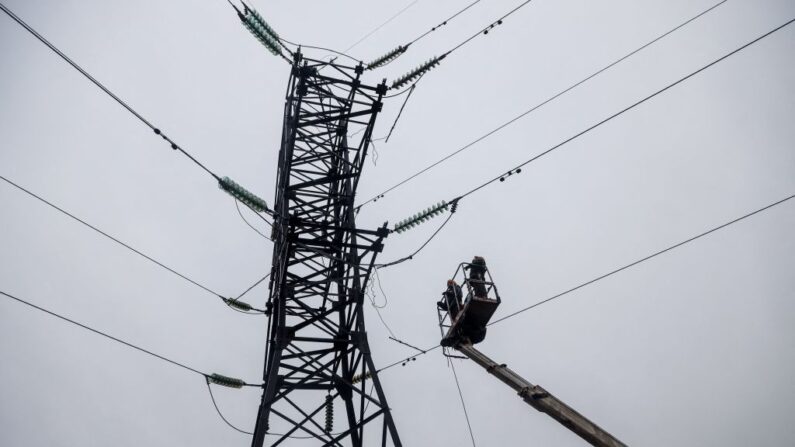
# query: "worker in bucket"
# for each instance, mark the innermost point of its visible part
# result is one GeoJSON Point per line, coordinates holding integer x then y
{"type": "Point", "coordinates": [477, 277]}
{"type": "Point", "coordinates": [451, 299]}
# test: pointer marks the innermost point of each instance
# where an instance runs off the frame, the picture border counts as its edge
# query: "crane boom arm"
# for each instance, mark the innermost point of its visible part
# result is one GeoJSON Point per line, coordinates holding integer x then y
{"type": "Point", "coordinates": [540, 399]}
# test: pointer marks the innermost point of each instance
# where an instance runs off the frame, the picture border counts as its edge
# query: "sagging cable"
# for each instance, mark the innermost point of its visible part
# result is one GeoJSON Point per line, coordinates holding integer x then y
{"type": "Point", "coordinates": [429, 213]}
{"type": "Point", "coordinates": [242, 194]}
{"type": "Point", "coordinates": [417, 72]}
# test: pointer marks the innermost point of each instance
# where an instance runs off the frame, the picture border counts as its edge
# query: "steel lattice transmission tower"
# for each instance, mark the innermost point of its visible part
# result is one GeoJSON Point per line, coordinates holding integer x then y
{"type": "Point", "coordinates": [317, 356]}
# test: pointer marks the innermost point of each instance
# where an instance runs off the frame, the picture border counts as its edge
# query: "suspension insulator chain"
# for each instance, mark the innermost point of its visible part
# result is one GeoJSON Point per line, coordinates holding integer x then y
{"type": "Point", "coordinates": [329, 413]}
{"type": "Point", "coordinates": [420, 217]}
{"type": "Point", "coordinates": [360, 377]}
{"type": "Point", "coordinates": [254, 22]}
{"type": "Point", "coordinates": [243, 195]}
{"type": "Point", "coordinates": [387, 58]}
{"type": "Point", "coordinates": [417, 72]}
{"type": "Point", "coordinates": [226, 381]}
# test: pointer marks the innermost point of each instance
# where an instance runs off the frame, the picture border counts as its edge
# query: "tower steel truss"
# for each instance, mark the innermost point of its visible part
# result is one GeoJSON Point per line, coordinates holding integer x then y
{"type": "Point", "coordinates": [317, 353]}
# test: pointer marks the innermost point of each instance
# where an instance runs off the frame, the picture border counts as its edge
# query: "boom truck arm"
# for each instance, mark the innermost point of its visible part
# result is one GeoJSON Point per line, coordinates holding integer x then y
{"type": "Point", "coordinates": [464, 324]}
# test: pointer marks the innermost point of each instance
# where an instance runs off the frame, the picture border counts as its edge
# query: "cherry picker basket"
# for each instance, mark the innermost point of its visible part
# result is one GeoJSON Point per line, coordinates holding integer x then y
{"type": "Point", "coordinates": [465, 309]}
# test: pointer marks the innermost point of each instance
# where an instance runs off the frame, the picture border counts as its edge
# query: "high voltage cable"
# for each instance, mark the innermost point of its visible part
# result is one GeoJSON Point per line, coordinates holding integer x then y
{"type": "Point", "coordinates": [77, 67]}
{"type": "Point", "coordinates": [444, 22]}
{"type": "Point", "coordinates": [518, 167]}
{"type": "Point", "coordinates": [606, 275]}
{"type": "Point", "coordinates": [646, 258]}
{"type": "Point", "coordinates": [401, 49]}
{"type": "Point", "coordinates": [118, 241]}
{"type": "Point", "coordinates": [486, 30]}
{"type": "Point", "coordinates": [363, 38]}
{"type": "Point", "coordinates": [155, 129]}
{"type": "Point", "coordinates": [98, 332]}
{"type": "Point", "coordinates": [249, 223]}
{"type": "Point", "coordinates": [463, 404]}
{"type": "Point", "coordinates": [536, 107]}
{"type": "Point", "coordinates": [218, 410]}
{"type": "Point", "coordinates": [434, 61]}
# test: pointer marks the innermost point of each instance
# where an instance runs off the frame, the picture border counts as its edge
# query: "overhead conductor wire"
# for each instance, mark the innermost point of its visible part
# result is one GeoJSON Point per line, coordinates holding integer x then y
{"type": "Point", "coordinates": [644, 259]}
{"type": "Point", "coordinates": [517, 169]}
{"type": "Point", "coordinates": [444, 22]}
{"type": "Point", "coordinates": [606, 275]}
{"type": "Point", "coordinates": [463, 404]}
{"type": "Point", "coordinates": [118, 241]}
{"type": "Point", "coordinates": [396, 15]}
{"type": "Point", "coordinates": [129, 108]}
{"type": "Point", "coordinates": [77, 67]}
{"type": "Point", "coordinates": [98, 332]}
{"type": "Point", "coordinates": [622, 111]}
{"type": "Point", "coordinates": [535, 107]}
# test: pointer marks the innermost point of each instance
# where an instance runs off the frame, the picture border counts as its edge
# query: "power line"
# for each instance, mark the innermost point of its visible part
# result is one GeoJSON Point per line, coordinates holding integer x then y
{"type": "Point", "coordinates": [218, 410]}
{"type": "Point", "coordinates": [396, 15]}
{"type": "Point", "coordinates": [517, 168]}
{"type": "Point", "coordinates": [77, 67]}
{"type": "Point", "coordinates": [463, 404]}
{"type": "Point", "coordinates": [409, 358]}
{"type": "Point", "coordinates": [646, 258]}
{"type": "Point", "coordinates": [98, 332]}
{"type": "Point", "coordinates": [444, 22]}
{"type": "Point", "coordinates": [123, 244]}
{"type": "Point", "coordinates": [249, 223]}
{"type": "Point", "coordinates": [486, 30]}
{"type": "Point", "coordinates": [252, 286]}
{"type": "Point", "coordinates": [537, 106]}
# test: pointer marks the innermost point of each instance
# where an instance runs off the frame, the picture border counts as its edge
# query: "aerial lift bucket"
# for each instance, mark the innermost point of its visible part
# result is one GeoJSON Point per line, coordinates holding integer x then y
{"type": "Point", "coordinates": [466, 309]}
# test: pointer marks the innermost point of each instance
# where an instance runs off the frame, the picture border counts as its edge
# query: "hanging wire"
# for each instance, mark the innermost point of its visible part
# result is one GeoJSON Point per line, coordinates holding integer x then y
{"type": "Point", "coordinates": [210, 390]}
{"type": "Point", "coordinates": [314, 47]}
{"type": "Point", "coordinates": [252, 286]}
{"type": "Point", "coordinates": [463, 404]}
{"type": "Point", "coordinates": [114, 239]}
{"type": "Point", "coordinates": [486, 30]}
{"type": "Point", "coordinates": [407, 344]}
{"type": "Point", "coordinates": [106, 335]}
{"type": "Point", "coordinates": [396, 15]}
{"type": "Point", "coordinates": [392, 129]}
{"type": "Point", "coordinates": [411, 256]}
{"type": "Point", "coordinates": [249, 223]}
{"type": "Point", "coordinates": [405, 361]}
{"type": "Point", "coordinates": [444, 22]}
{"type": "Point", "coordinates": [624, 110]}
{"type": "Point", "coordinates": [535, 107]}
{"type": "Point", "coordinates": [77, 67]}
{"type": "Point", "coordinates": [641, 260]}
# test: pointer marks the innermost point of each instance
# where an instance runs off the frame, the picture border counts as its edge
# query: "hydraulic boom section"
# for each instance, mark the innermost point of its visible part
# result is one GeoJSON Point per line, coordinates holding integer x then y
{"type": "Point", "coordinates": [463, 320]}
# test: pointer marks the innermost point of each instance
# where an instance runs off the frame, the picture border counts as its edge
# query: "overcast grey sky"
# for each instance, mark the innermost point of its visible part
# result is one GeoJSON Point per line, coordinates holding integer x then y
{"type": "Point", "coordinates": [692, 348]}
